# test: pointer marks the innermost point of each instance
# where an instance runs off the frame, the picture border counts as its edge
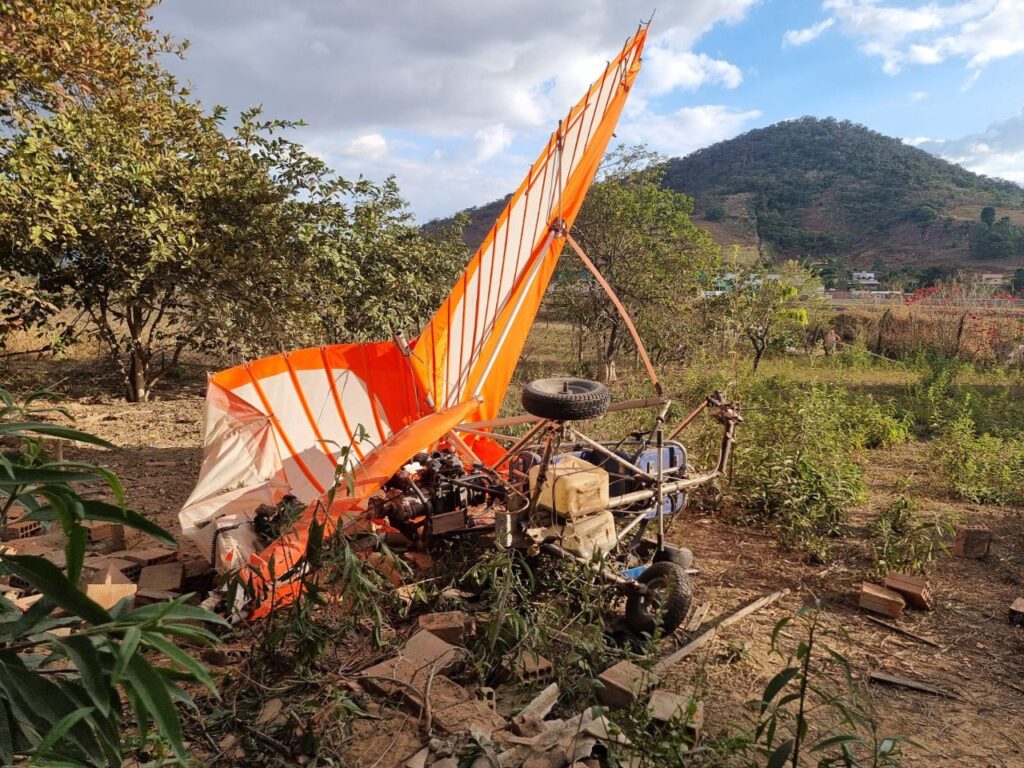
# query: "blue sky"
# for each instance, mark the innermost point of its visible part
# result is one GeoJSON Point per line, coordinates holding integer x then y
{"type": "Point", "coordinates": [456, 97]}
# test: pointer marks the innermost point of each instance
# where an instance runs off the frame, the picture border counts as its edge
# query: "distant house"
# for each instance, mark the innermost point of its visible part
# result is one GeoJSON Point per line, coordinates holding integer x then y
{"type": "Point", "coordinates": [995, 279]}
{"type": "Point", "coordinates": [865, 281]}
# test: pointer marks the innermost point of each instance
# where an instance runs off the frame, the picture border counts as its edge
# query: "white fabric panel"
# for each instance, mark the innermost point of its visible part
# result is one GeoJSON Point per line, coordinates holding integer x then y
{"type": "Point", "coordinates": [388, 432]}
{"type": "Point", "coordinates": [317, 388]}
{"type": "Point", "coordinates": [247, 392]}
{"type": "Point", "coordinates": [283, 399]}
{"type": "Point", "coordinates": [356, 402]}
{"type": "Point", "coordinates": [452, 358]}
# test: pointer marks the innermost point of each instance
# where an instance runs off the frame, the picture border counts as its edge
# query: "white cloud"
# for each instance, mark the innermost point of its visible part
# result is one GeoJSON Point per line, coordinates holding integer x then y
{"type": "Point", "coordinates": [372, 146]}
{"type": "Point", "coordinates": [804, 36]}
{"type": "Point", "coordinates": [970, 81]}
{"type": "Point", "coordinates": [975, 31]}
{"type": "Point", "coordinates": [666, 69]}
{"type": "Point", "coordinates": [996, 151]}
{"type": "Point", "coordinates": [686, 129]}
{"type": "Point", "coordinates": [438, 93]}
{"type": "Point", "coordinates": [918, 95]}
{"type": "Point", "coordinates": [491, 141]}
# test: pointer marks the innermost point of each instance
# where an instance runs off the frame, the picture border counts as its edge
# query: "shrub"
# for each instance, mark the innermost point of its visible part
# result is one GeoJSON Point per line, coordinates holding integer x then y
{"type": "Point", "coordinates": [794, 463]}
{"type": "Point", "coordinates": [983, 468]}
{"type": "Point", "coordinates": [902, 540]}
{"type": "Point", "coordinates": [64, 679]}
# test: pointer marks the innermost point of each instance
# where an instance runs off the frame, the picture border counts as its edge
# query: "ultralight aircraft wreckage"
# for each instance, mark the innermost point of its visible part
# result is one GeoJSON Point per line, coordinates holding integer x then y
{"type": "Point", "coordinates": [412, 424]}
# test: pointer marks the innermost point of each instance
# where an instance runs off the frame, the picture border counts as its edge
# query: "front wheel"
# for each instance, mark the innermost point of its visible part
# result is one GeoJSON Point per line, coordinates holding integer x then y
{"type": "Point", "coordinates": [666, 602]}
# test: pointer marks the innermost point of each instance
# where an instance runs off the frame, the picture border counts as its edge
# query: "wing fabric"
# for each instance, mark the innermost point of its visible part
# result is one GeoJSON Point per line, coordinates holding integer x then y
{"type": "Point", "coordinates": [283, 424]}
{"type": "Point", "coordinates": [472, 344]}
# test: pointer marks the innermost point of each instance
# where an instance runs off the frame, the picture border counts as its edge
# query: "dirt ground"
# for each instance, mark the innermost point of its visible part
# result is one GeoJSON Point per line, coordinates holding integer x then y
{"type": "Point", "coordinates": [979, 659]}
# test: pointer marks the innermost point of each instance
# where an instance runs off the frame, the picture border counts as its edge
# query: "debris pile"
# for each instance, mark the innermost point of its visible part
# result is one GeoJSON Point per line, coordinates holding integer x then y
{"type": "Point", "coordinates": [111, 571]}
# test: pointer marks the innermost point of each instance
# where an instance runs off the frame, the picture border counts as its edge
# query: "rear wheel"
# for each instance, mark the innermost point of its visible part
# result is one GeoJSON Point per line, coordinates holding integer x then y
{"type": "Point", "coordinates": [565, 399]}
{"type": "Point", "coordinates": [666, 602]}
{"type": "Point", "coordinates": [681, 556]}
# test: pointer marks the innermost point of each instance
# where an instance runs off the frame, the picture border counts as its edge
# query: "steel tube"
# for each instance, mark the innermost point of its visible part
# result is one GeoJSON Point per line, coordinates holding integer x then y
{"type": "Point", "coordinates": [598, 447]}
{"type": "Point", "coordinates": [509, 421]}
{"type": "Point", "coordinates": [611, 578]}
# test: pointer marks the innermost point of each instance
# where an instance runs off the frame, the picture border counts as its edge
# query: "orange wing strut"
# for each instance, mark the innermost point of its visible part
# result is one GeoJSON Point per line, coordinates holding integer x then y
{"type": "Point", "coordinates": [621, 309]}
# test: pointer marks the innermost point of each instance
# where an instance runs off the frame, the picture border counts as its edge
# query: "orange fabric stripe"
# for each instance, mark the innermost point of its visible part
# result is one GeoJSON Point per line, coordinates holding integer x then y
{"type": "Point", "coordinates": [280, 431]}
{"type": "Point", "coordinates": [308, 411]}
{"type": "Point", "coordinates": [337, 402]}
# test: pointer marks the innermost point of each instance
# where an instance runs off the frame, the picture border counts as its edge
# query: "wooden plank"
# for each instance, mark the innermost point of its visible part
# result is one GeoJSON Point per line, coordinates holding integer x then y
{"type": "Point", "coordinates": [914, 685]}
{"type": "Point", "coordinates": [698, 617]}
{"type": "Point", "coordinates": [902, 631]}
{"type": "Point", "coordinates": [707, 637]}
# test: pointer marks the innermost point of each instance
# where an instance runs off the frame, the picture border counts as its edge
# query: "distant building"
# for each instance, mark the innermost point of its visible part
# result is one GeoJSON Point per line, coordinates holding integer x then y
{"type": "Point", "coordinates": [995, 279]}
{"type": "Point", "coordinates": [864, 277]}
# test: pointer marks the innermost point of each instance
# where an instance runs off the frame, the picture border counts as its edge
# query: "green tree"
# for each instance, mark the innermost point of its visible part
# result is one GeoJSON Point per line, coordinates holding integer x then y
{"type": "Point", "coordinates": [769, 305]}
{"type": "Point", "coordinates": [988, 215]}
{"type": "Point", "coordinates": [640, 236]}
{"type": "Point", "coordinates": [135, 207]}
{"type": "Point", "coordinates": [66, 52]}
{"type": "Point", "coordinates": [1018, 281]}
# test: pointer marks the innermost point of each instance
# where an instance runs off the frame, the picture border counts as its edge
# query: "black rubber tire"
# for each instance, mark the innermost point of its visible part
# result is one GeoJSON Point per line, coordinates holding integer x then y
{"type": "Point", "coordinates": [672, 597]}
{"type": "Point", "coordinates": [681, 556]}
{"type": "Point", "coordinates": [565, 399]}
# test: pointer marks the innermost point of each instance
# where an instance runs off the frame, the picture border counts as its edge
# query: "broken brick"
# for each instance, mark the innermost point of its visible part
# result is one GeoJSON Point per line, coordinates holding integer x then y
{"type": "Point", "coordinates": [531, 666]}
{"type": "Point", "coordinates": [972, 542]}
{"type": "Point", "coordinates": [1017, 612]}
{"type": "Point", "coordinates": [667, 706]}
{"type": "Point", "coordinates": [450, 626]}
{"type": "Point", "coordinates": [881, 600]}
{"type": "Point", "coordinates": [915, 589]}
{"type": "Point", "coordinates": [473, 715]}
{"type": "Point", "coordinates": [149, 555]}
{"type": "Point", "coordinates": [22, 529]}
{"type": "Point", "coordinates": [166, 577]}
{"type": "Point", "coordinates": [623, 683]}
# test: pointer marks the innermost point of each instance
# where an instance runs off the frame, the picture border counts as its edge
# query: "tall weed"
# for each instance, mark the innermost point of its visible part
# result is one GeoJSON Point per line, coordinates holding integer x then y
{"type": "Point", "coordinates": [795, 464]}
{"type": "Point", "coordinates": [984, 468]}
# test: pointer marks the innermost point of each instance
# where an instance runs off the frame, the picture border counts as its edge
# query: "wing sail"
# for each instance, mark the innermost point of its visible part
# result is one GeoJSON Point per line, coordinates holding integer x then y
{"type": "Point", "coordinates": [283, 424]}
{"type": "Point", "coordinates": [471, 346]}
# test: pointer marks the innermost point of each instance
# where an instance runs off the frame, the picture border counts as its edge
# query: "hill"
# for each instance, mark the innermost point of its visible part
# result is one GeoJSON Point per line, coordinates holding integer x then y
{"type": "Point", "coordinates": [829, 189]}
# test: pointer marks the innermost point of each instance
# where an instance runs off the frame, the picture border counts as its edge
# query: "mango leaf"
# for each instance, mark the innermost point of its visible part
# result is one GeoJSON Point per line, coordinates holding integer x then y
{"type": "Point", "coordinates": [82, 653]}
{"type": "Point", "coordinates": [48, 579]}
{"type": "Point", "coordinates": [832, 741]}
{"type": "Point", "coordinates": [150, 692]}
{"type": "Point", "coordinates": [182, 659]}
{"type": "Point", "coordinates": [46, 701]}
{"type": "Point", "coordinates": [778, 758]}
{"type": "Point", "coordinates": [129, 645]}
{"type": "Point", "coordinates": [20, 428]}
{"type": "Point", "coordinates": [58, 731]}
{"type": "Point", "coordinates": [777, 684]}
{"type": "Point", "coordinates": [18, 476]}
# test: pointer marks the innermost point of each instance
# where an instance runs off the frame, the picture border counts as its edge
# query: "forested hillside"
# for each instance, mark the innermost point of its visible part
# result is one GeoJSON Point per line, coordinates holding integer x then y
{"type": "Point", "coordinates": [830, 189]}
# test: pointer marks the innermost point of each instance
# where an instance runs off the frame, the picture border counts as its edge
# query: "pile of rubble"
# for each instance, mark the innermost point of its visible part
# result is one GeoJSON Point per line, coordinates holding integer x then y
{"type": "Point", "coordinates": [422, 673]}
{"type": "Point", "coordinates": [112, 571]}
